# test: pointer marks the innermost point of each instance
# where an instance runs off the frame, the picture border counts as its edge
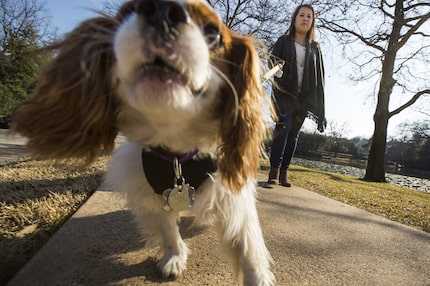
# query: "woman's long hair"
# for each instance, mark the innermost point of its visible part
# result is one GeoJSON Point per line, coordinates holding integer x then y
{"type": "Point", "coordinates": [310, 35]}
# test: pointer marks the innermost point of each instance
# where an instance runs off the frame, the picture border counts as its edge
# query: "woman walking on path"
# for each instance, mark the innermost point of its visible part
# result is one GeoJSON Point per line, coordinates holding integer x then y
{"type": "Point", "coordinates": [298, 93]}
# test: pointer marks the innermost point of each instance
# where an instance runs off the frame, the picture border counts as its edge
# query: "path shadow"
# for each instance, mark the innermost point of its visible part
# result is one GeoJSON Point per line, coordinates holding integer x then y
{"type": "Point", "coordinates": [100, 250]}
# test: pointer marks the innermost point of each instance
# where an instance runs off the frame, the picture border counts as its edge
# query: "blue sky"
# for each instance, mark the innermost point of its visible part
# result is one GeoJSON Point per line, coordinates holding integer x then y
{"type": "Point", "coordinates": [67, 14]}
{"type": "Point", "coordinates": [346, 102]}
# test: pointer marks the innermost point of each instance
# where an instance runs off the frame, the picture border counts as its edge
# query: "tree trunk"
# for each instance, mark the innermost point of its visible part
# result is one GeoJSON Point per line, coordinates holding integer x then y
{"type": "Point", "coordinates": [375, 169]}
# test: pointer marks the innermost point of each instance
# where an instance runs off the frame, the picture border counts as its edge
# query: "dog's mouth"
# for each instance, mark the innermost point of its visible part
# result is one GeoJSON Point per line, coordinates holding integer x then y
{"type": "Point", "coordinates": [162, 71]}
{"type": "Point", "coordinates": [166, 74]}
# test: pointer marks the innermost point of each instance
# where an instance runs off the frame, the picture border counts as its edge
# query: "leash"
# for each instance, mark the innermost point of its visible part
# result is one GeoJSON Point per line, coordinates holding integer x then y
{"type": "Point", "coordinates": [275, 71]}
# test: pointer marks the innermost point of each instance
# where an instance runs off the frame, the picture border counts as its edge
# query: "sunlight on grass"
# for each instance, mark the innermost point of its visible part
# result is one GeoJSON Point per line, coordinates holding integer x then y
{"type": "Point", "coordinates": [36, 198]}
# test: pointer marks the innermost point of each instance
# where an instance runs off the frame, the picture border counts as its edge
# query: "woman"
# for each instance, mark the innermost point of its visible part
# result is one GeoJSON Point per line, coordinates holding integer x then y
{"type": "Point", "coordinates": [299, 92]}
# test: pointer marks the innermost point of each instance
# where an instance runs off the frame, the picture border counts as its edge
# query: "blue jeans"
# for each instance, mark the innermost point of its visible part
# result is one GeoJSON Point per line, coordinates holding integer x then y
{"type": "Point", "coordinates": [285, 139]}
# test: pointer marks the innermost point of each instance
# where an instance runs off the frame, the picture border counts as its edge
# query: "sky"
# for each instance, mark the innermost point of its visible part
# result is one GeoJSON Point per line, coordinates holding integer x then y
{"type": "Point", "coordinates": [347, 104]}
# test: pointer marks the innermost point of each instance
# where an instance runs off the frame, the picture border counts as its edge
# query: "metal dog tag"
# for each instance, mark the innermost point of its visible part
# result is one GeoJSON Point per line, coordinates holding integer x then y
{"type": "Point", "coordinates": [180, 198]}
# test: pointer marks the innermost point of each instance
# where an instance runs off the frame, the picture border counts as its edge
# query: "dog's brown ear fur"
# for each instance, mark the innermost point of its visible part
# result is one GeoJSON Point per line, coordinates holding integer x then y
{"type": "Point", "coordinates": [241, 140]}
{"type": "Point", "coordinates": [73, 109]}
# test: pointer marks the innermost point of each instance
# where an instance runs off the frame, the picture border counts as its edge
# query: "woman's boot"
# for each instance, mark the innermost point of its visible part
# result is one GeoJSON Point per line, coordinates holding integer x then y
{"type": "Point", "coordinates": [273, 175]}
{"type": "Point", "coordinates": [283, 178]}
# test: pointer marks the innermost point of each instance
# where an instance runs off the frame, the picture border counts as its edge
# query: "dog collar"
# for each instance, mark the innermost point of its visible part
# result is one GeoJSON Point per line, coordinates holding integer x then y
{"type": "Point", "coordinates": [158, 167]}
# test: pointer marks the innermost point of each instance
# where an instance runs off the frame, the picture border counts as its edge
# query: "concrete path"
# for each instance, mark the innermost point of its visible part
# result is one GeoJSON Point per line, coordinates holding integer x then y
{"type": "Point", "coordinates": [11, 146]}
{"type": "Point", "coordinates": [313, 240]}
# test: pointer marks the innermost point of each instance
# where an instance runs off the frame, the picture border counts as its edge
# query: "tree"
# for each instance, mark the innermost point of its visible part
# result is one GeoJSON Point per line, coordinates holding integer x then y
{"type": "Point", "coordinates": [411, 148]}
{"type": "Point", "coordinates": [392, 45]}
{"type": "Point", "coordinates": [336, 133]}
{"type": "Point", "coordinates": [111, 6]}
{"type": "Point", "coordinates": [401, 149]}
{"type": "Point", "coordinates": [310, 143]}
{"type": "Point", "coordinates": [266, 20]}
{"type": "Point", "coordinates": [23, 31]}
{"type": "Point", "coordinates": [421, 141]}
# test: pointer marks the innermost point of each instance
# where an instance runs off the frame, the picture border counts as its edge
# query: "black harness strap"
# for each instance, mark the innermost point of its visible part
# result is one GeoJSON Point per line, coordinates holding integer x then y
{"type": "Point", "coordinates": [160, 173]}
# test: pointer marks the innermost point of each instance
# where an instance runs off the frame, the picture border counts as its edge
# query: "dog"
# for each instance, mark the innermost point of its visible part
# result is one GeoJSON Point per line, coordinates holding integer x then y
{"type": "Point", "coordinates": [186, 93]}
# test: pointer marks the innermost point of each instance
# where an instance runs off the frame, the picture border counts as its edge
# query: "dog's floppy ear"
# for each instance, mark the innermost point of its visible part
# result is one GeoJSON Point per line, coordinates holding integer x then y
{"type": "Point", "coordinates": [72, 111]}
{"type": "Point", "coordinates": [242, 137]}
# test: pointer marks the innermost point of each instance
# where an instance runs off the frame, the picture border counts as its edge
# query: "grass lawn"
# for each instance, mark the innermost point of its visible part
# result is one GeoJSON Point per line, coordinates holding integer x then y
{"type": "Point", "coordinates": [36, 198]}
{"type": "Point", "coordinates": [407, 206]}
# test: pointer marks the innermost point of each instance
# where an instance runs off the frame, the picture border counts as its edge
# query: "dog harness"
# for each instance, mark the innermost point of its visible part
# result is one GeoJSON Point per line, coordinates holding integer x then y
{"type": "Point", "coordinates": [159, 170]}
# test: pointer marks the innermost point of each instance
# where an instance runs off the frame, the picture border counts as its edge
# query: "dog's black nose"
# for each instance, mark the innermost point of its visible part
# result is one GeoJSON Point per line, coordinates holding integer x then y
{"type": "Point", "coordinates": [161, 12]}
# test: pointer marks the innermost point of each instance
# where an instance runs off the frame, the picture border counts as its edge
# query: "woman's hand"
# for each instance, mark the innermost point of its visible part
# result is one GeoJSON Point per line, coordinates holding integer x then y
{"type": "Point", "coordinates": [322, 124]}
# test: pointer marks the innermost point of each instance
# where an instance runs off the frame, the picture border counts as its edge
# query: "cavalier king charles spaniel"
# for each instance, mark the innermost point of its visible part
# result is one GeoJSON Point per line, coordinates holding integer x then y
{"type": "Point", "coordinates": [186, 93]}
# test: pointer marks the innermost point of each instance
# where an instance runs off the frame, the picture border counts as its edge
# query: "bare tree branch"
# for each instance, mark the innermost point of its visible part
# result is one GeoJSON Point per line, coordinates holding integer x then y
{"type": "Point", "coordinates": [410, 102]}
{"type": "Point", "coordinates": [338, 29]}
{"type": "Point", "coordinates": [413, 29]}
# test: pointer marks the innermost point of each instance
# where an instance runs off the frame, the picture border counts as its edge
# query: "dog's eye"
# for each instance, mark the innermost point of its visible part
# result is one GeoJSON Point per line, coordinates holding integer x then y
{"type": "Point", "coordinates": [213, 36]}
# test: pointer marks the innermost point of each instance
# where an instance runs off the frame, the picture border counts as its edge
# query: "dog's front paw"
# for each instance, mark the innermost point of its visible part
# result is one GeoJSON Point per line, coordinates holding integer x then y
{"type": "Point", "coordinates": [172, 266]}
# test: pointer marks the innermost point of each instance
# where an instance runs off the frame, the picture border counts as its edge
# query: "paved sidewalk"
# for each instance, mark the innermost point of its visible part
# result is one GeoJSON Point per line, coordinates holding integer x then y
{"type": "Point", "coordinates": [313, 240]}
{"type": "Point", "coordinates": [11, 146]}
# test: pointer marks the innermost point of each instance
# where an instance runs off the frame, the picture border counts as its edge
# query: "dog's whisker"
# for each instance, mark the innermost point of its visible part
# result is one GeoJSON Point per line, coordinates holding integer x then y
{"type": "Point", "coordinates": [222, 60]}
{"type": "Point", "coordinates": [233, 89]}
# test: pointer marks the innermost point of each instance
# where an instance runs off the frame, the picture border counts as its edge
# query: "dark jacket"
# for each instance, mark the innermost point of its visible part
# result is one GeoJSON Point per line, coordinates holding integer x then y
{"type": "Point", "coordinates": [285, 89]}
